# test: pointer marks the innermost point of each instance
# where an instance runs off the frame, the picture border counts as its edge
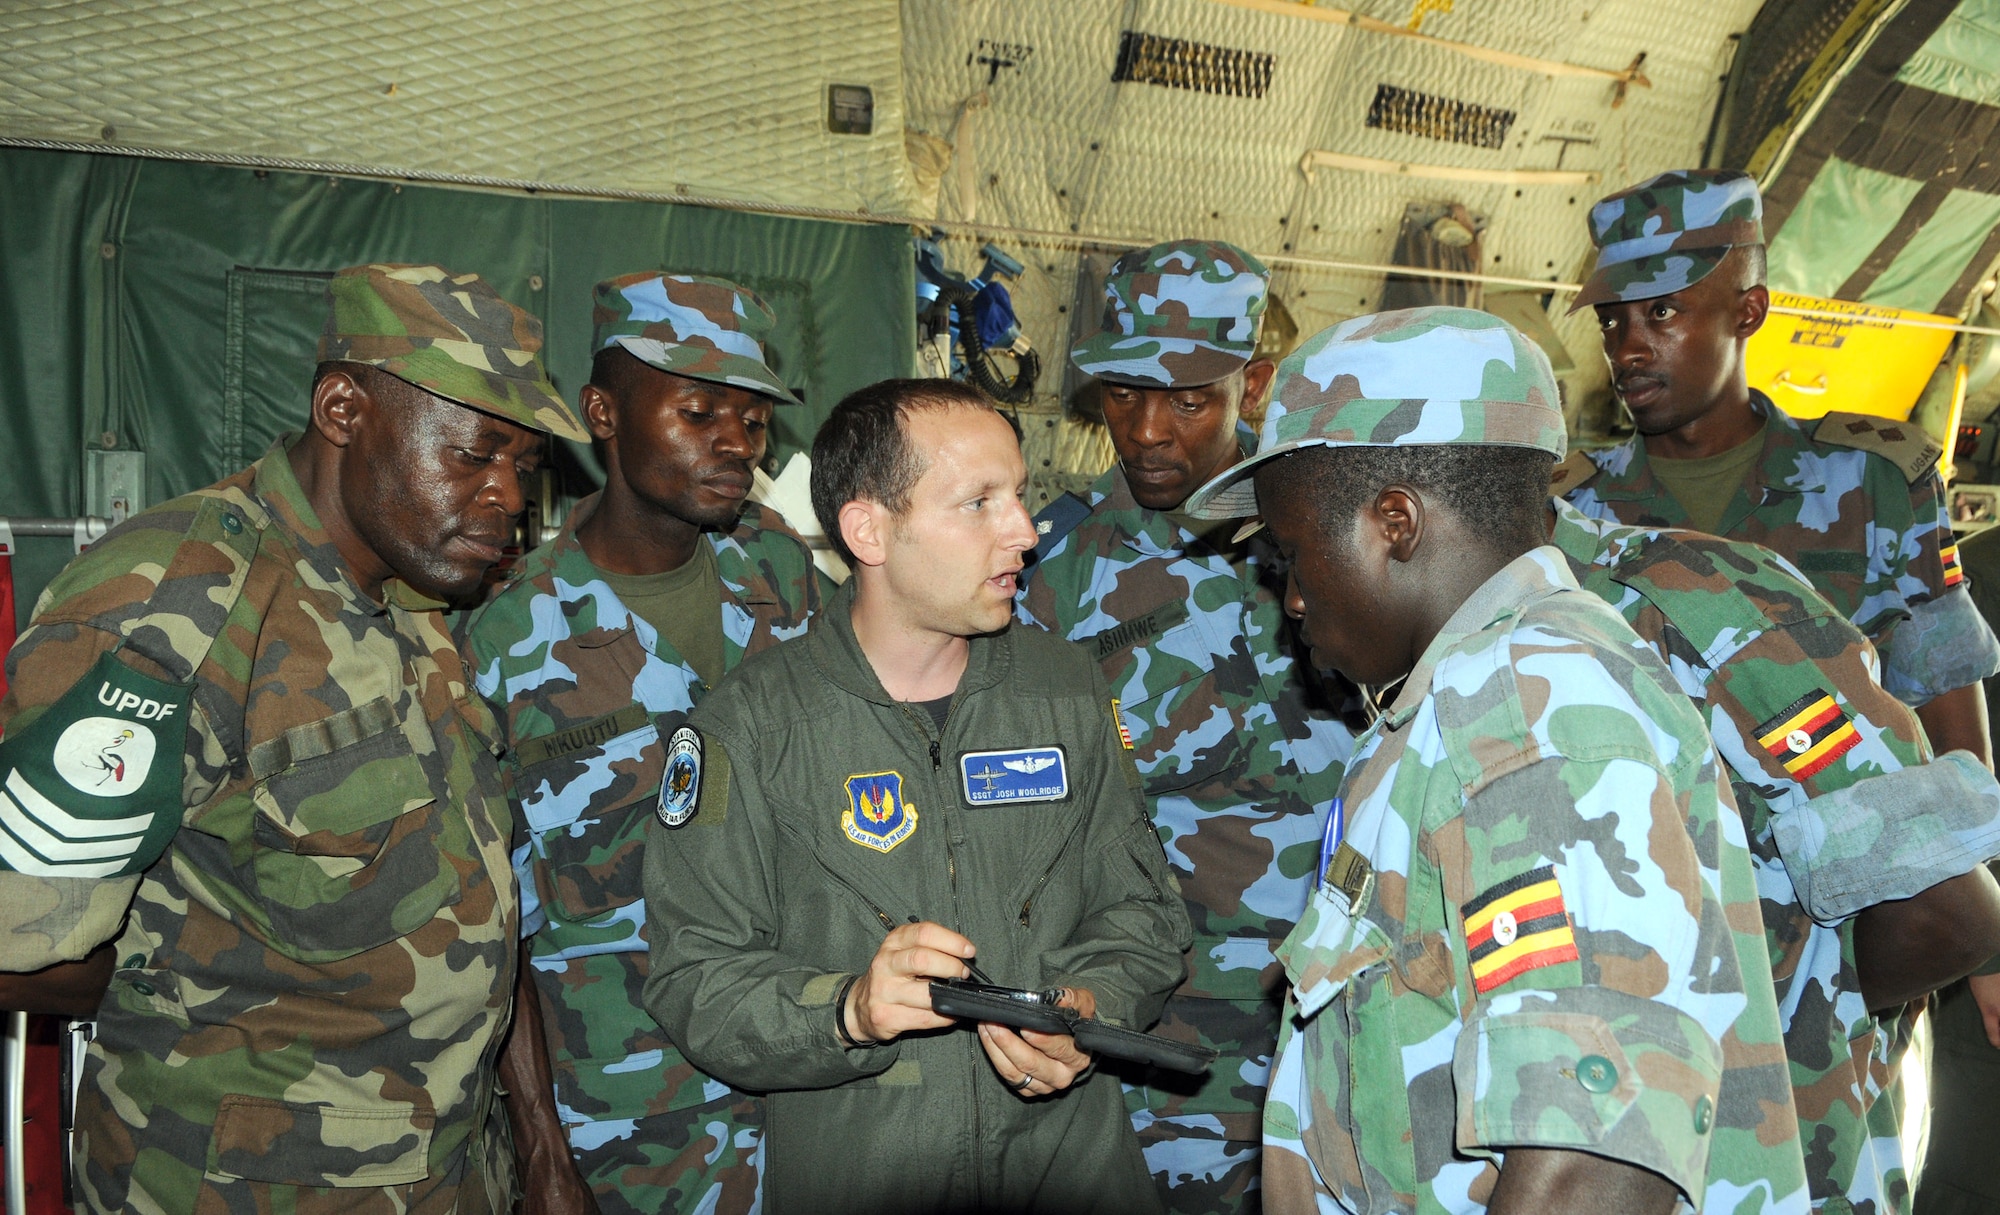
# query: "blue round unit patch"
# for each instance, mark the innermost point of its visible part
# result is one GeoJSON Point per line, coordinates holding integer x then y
{"type": "Point", "coordinates": [680, 785]}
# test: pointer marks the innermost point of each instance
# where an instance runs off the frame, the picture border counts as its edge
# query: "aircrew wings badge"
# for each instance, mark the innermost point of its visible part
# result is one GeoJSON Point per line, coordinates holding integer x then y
{"type": "Point", "coordinates": [876, 816]}
{"type": "Point", "coordinates": [1518, 926]}
{"type": "Point", "coordinates": [1808, 734]}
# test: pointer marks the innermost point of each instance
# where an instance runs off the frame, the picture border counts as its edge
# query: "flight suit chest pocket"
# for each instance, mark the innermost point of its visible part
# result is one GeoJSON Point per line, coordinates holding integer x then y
{"type": "Point", "coordinates": [349, 847]}
{"type": "Point", "coordinates": [1170, 669]}
{"type": "Point", "coordinates": [1333, 942]}
{"type": "Point", "coordinates": [590, 824]}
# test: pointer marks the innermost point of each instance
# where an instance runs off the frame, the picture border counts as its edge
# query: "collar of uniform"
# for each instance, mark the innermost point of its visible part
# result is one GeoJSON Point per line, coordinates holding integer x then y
{"type": "Point", "coordinates": [279, 489]}
{"type": "Point", "coordinates": [1144, 530]}
{"type": "Point", "coordinates": [1533, 575]}
{"type": "Point", "coordinates": [1778, 467]}
{"type": "Point", "coordinates": [1588, 541]}
{"type": "Point", "coordinates": [1782, 465]}
{"type": "Point", "coordinates": [748, 582]}
{"type": "Point", "coordinates": [837, 653]}
{"type": "Point", "coordinates": [741, 579]}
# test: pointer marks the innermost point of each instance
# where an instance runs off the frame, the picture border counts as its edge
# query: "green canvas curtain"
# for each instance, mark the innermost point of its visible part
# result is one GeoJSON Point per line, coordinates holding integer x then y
{"type": "Point", "coordinates": [172, 308]}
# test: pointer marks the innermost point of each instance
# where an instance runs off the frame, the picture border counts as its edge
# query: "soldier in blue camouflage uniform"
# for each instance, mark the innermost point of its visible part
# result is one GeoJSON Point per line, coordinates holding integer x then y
{"type": "Point", "coordinates": [1530, 977]}
{"type": "Point", "coordinates": [1853, 501]}
{"type": "Point", "coordinates": [593, 654]}
{"type": "Point", "coordinates": [242, 715]}
{"type": "Point", "coordinates": [1867, 859]}
{"type": "Point", "coordinates": [1239, 751]}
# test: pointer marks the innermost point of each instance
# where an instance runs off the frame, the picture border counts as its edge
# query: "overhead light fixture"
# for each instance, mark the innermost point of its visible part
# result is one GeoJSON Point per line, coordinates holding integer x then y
{"type": "Point", "coordinates": [1451, 233]}
{"type": "Point", "coordinates": [850, 109]}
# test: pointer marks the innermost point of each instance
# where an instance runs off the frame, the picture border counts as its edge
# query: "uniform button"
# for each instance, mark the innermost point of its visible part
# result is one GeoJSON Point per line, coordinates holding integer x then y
{"type": "Point", "coordinates": [144, 989]}
{"type": "Point", "coordinates": [1704, 1116]}
{"type": "Point", "coordinates": [1595, 1073]}
{"type": "Point", "coordinates": [135, 961]}
{"type": "Point", "coordinates": [231, 524]}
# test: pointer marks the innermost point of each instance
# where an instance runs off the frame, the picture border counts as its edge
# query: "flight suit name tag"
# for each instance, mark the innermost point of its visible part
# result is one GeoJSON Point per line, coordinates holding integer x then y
{"type": "Point", "coordinates": [1022, 774]}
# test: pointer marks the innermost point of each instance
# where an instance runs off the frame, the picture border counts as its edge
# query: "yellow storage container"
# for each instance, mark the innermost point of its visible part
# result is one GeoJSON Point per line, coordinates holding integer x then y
{"type": "Point", "coordinates": [1860, 362]}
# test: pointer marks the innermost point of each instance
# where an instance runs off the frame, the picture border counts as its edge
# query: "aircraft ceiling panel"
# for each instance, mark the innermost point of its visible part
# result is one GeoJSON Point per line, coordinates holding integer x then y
{"type": "Point", "coordinates": [721, 98]}
{"type": "Point", "coordinates": [1058, 145]}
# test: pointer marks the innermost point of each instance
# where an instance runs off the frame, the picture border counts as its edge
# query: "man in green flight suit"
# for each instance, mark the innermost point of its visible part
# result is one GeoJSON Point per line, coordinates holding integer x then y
{"type": "Point", "coordinates": [593, 654]}
{"type": "Point", "coordinates": [309, 826]}
{"type": "Point", "coordinates": [911, 788]}
{"type": "Point", "coordinates": [1530, 978]}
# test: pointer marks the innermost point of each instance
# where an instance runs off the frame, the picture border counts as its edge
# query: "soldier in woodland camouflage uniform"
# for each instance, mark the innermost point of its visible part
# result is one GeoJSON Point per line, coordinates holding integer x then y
{"type": "Point", "coordinates": [1239, 759]}
{"type": "Point", "coordinates": [1853, 501]}
{"type": "Point", "coordinates": [1859, 853]}
{"type": "Point", "coordinates": [1529, 974]}
{"type": "Point", "coordinates": [593, 654]}
{"type": "Point", "coordinates": [246, 704]}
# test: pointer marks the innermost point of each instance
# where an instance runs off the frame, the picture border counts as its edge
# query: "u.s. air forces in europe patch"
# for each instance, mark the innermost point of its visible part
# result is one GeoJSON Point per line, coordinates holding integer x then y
{"type": "Point", "coordinates": [680, 784]}
{"type": "Point", "coordinates": [876, 816]}
{"type": "Point", "coordinates": [1024, 774]}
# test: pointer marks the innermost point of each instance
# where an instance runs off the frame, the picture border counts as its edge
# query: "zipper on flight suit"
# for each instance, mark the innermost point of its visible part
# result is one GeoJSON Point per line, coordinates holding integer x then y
{"type": "Point", "coordinates": [937, 765]}
{"type": "Point", "coordinates": [958, 912]}
{"type": "Point", "coordinates": [888, 925]}
{"type": "Point", "coordinates": [1028, 904]}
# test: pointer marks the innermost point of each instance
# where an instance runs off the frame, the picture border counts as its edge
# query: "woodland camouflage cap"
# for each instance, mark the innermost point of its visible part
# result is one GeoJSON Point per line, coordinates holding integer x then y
{"type": "Point", "coordinates": [1177, 315]}
{"type": "Point", "coordinates": [449, 334]}
{"type": "Point", "coordinates": [1400, 379]}
{"type": "Point", "coordinates": [691, 325]}
{"type": "Point", "coordinates": [1669, 232]}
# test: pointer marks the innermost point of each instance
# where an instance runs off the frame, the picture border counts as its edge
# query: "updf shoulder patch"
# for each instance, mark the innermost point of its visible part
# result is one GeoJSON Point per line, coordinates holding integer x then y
{"type": "Point", "coordinates": [1905, 444]}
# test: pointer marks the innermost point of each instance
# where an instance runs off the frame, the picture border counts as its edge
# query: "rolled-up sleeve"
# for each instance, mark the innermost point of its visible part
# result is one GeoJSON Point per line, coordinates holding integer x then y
{"type": "Point", "coordinates": [1602, 969]}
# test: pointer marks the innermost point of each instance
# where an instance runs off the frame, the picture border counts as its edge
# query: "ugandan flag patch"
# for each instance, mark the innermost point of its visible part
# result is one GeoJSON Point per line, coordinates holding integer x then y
{"type": "Point", "coordinates": [1808, 735]}
{"type": "Point", "coordinates": [1518, 926]}
{"type": "Point", "coordinates": [1954, 573]}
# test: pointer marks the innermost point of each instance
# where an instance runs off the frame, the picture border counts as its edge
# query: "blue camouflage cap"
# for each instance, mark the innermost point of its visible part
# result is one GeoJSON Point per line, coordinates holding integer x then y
{"type": "Point", "coordinates": [692, 325]}
{"type": "Point", "coordinates": [1177, 315]}
{"type": "Point", "coordinates": [1669, 233]}
{"type": "Point", "coordinates": [1416, 377]}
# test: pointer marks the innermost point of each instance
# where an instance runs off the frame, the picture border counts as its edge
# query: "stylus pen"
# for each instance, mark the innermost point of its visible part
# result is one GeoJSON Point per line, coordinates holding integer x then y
{"type": "Point", "coordinates": [971, 966]}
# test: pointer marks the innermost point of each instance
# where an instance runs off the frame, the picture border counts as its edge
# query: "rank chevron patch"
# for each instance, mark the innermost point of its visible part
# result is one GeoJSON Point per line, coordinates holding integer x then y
{"type": "Point", "coordinates": [1809, 734]}
{"type": "Point", "coordinates": [1518, 926]}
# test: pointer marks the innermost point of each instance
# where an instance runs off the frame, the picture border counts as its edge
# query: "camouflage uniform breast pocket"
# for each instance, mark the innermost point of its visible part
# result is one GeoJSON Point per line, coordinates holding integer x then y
{"type": "Point", "coordinates": [1334, 942]}
{"type": "Point", "coordinates": [263, 1142]}
{"type": "Point", "coordinates": [346, 841]}
{"type": "Point", "coordinates": [588, 855]}
{"type": "Point", "coordinates": [1168, 668]}
{"type": "Point", "coordinates": [1839, 574]}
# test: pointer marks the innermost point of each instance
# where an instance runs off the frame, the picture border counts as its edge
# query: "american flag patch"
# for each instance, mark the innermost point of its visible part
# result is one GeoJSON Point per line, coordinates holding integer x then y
{"type": "Point", "coordinates": [1808, 735]}
{"type": "Point", "coordinates": [1518, 926]}
{"type": "Point", "coordinates": [1954, 573]}
{"type": "Point", "coordinates": [1118, 719]}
